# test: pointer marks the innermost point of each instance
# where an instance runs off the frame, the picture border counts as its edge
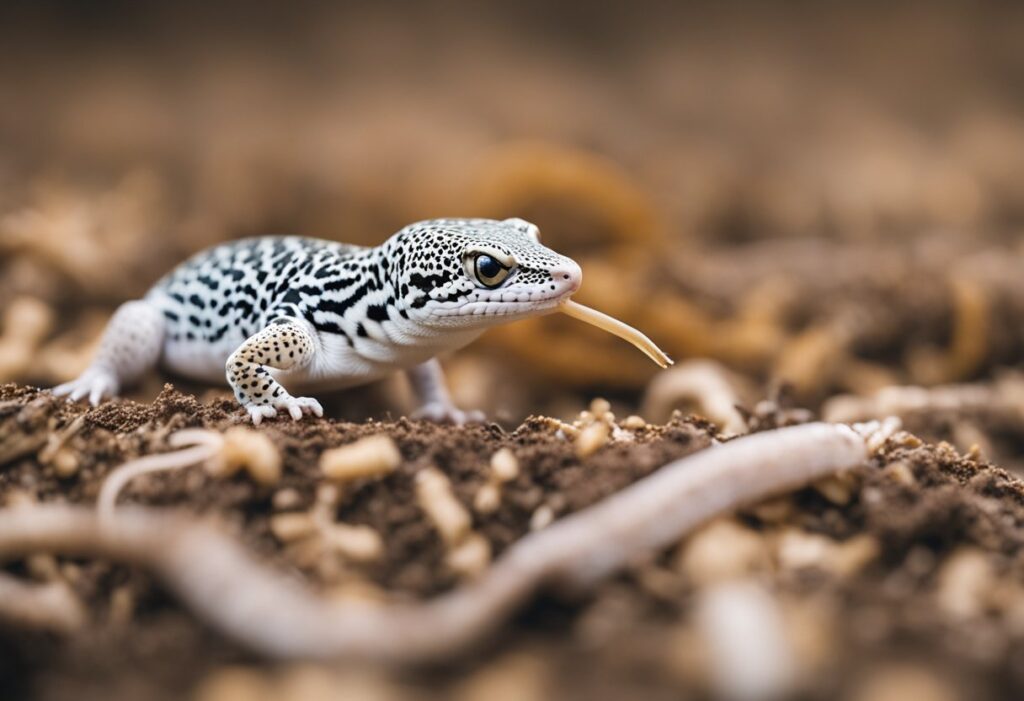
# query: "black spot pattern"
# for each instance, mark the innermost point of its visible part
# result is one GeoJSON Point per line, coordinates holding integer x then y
{"type": "Point", "coordinates": [218, 294]}
{"type": "Point", "coordinates": [281, 345]}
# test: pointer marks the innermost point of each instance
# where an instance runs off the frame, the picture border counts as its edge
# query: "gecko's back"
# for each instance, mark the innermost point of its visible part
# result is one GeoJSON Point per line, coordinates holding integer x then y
{"type": "Point", "coordinates": [215, 300]}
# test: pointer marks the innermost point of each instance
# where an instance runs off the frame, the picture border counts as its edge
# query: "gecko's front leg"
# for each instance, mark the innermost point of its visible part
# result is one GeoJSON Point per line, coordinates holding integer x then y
{"type": "Point", "coordinates": [283, 345]}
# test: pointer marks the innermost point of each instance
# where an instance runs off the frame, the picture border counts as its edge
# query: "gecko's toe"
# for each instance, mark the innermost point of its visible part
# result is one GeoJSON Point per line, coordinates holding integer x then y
{"type": "Point", "coordinates": [96, 385]}
{"type": "Point", "coordinates": [101, 387]}
{"type": "Point", "coordinates": [297, 406]}
{"type": "Point", "coordinates": [258, 412]}
{"type": "Point", "coordinates": [312, 406]}
{"type": "Point", "coordinates": [64, 390]}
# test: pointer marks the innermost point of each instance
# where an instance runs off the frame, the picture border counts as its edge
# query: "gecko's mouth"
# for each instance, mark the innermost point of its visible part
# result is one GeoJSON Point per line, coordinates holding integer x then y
{"type": "Point", "coordinates": [530, 307]}
{"type": "Point", "coordinates": [505, 304]}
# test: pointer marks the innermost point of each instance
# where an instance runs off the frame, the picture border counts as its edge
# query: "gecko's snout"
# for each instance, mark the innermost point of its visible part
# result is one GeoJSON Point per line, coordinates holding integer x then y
{"type": "Point", "coordinates": [568, 275]}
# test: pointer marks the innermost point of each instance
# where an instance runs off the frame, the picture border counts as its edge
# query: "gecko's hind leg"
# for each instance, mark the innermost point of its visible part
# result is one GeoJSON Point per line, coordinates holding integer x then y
{"type": "Point", "coordinates": [436, 403]}
{"type": "Point", "coordinates": [130, 346]}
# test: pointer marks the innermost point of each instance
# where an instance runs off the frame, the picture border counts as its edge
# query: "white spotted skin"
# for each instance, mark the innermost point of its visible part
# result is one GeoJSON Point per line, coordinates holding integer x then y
{"type": "Point", "coordinates": [283, 345]}
{"type": "Point", "coordinates": [349, 315]}
{"type": "Point", "coordinates": [196, 359]}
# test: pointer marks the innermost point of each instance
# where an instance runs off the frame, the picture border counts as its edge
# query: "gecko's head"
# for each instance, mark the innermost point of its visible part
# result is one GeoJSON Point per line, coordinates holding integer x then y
{"type": "Point", "coordinates": [475, 273]}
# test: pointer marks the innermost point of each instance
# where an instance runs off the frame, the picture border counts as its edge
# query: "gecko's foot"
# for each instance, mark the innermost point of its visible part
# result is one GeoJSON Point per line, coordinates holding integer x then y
{"type": "Point", "coordinates": [295, 406]}
{"type": "Point", "coordinates": [95, 383]}
{"type": "Point", "coordinates": [441, 412]}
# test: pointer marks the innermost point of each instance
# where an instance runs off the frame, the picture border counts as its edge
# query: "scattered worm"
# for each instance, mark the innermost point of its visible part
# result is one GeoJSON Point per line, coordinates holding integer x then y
{"type": "Point", "coordinates": [241, 447]}
{"type": "Point", "coordinates": [903, 400]}
{"type": "Point", "coordinates": [504, 468]}
{"type": "Point", "coordinates": [591, 439]}
{"type": "Point", "coordinates": [752, 658]}
{"type": "Point", "coordinates": [26, 322]}
{"type": "Point", "coordinates": [373, 456]}
{"type": "Point", "coordinates": [271, 613]}
{"type": "Point", "coordinates": [223, 453]}
{"type": "Point", "coordinates": [52, 606]}
{"type": "Point", "coordinates": [443, 509]}
{"type": "Point", "coordinates": [703, 381]}
{"type": "Point", "coordinates": [201, 446]}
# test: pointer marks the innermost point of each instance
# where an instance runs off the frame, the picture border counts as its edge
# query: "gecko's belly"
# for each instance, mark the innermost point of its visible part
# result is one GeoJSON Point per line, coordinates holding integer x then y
{"type": "Point", "coordinates": [204, 361]}
{"type": "Point", "coordinates": [199, 360]}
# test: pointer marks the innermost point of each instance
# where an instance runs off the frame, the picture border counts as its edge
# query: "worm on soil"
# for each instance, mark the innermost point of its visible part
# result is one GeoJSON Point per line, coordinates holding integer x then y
{"type": "Point", "coordinates": [813, 357]}
{"type": "Point", "coordinates": [969, 345]}
{"type": "Point", "coordinates": [1003, 395]}
{"type": "Point", "coordinates": [223, 454]}
{"type": "Point", "coordinates": [434, 495]}
{"type": "Point", "coordinates": [269, 612]}
{"type": "Point", "coordinates": [504, 468]}
{"type": "Point", "coordinates": [373, 456]}
{"type": "Point", "coordinates": [591, 439]}
{"type": "Point", "coordinates": [198, 445]}
{"type": "Point", "coordinates": [52, 606]}
{"type": "Point", "coordinates": [504, 465]}
{"type": "Point", "coordinates": [703, 381]}
{"type": "Point", "coordinates": [26, 322]}
{"type": "Point", "coordinates": [241, 447]}
{"type": "Point", "coordinates": [743, 628]}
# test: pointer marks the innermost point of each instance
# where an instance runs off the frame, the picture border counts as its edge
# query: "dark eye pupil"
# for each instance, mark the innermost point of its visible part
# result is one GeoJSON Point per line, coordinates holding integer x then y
{"type": "Point", "coordinates": [488, 267]}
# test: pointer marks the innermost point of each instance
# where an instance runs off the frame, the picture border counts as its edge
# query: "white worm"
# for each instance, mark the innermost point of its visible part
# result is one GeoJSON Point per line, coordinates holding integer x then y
{"type": "Point", "coordinates": [704, 381]}
{"type": "Point", "coordinates": [51, 606]}
{"type": "Point", "coordinates": [203, 445]}
{"type": "Point", "coordinates": [616, 328]}
{"type": "Point", "coordinates": [750, 654]}
{"type": "Point", "coordinates": [903, 400]}
{"type": "Point", "coordinates": [271, 613]}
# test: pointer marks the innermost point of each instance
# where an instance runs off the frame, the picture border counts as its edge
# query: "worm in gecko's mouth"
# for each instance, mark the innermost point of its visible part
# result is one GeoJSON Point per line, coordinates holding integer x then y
{"type": "Point", "coordinates": [617, 328]}
{"type": "Point", "coordinates": [560, 303]}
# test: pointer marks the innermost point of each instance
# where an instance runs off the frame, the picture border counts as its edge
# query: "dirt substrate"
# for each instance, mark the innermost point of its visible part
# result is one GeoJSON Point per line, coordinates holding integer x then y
{"type": "Point", "coordinates": [902, 577]}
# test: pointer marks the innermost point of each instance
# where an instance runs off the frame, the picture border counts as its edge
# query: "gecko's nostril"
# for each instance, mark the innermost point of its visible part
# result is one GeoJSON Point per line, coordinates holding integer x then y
{"type": "Point", "coordinates": [568, 274]}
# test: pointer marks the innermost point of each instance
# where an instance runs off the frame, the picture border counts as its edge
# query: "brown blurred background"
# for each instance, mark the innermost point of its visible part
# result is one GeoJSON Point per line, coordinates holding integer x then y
{"type": "Point", "coordinates": [822, 193]}
{"type": "Point", "coordinates": [815, 207]}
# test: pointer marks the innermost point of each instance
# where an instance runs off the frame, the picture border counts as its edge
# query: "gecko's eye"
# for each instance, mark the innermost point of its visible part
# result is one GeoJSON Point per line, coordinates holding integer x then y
{"type": "Point", "coordinates": [489, 271]}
